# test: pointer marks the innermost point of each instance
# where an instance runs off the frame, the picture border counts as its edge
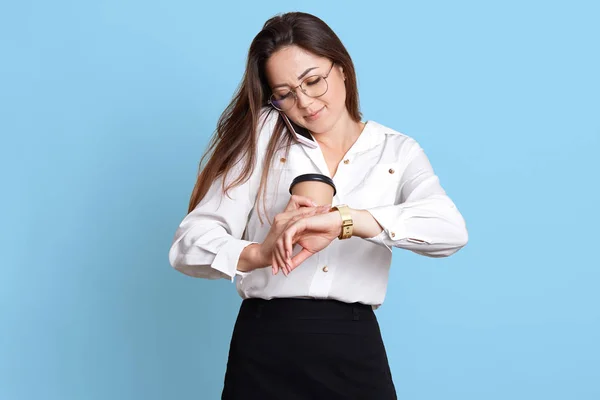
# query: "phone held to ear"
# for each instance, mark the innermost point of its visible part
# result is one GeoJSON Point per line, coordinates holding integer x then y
{"type": "Point", "coordinates": [300, 133]}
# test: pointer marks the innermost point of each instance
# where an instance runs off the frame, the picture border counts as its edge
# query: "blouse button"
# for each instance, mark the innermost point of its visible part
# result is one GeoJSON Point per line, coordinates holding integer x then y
{"type": "Point", "coordinates": [393, 234]}
{"type": "Point", "coordinates": [325, 269]}
{"type": "Point", "coordinates": [391, 171]}
{"type": "Point", "coordinates": [282, 159]}
{"type": "Point", "coordinates": [346, 161]}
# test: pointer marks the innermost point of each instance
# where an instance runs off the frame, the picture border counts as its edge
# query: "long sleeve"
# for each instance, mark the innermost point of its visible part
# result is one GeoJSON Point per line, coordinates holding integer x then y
{"type": "Point", "coordinates": [424, 220]}
{"type": "Point", "coordinates": [208, 242]}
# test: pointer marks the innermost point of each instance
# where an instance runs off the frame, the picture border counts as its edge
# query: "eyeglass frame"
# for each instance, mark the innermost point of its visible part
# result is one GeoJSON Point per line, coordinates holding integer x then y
{"type": "Point", "coordinates": [293, 90]}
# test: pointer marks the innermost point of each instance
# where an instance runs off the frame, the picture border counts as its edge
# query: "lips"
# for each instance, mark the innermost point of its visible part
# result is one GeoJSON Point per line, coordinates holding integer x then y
{"type": "Point", "coordinates": [314, 114]}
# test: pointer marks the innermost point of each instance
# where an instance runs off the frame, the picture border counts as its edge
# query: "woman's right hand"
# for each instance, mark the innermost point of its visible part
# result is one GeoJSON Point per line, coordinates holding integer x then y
{"type": "Point", "coordinates": [298, 207]}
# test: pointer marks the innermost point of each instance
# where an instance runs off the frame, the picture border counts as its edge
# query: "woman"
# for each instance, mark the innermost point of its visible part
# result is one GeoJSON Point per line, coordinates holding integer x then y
{"type": "Point", "coordinates": [306, 328]}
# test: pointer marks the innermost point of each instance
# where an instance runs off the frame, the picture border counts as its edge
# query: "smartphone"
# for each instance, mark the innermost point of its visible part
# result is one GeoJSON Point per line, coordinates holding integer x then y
{"type": "Point", "coordinates": [301, 134]}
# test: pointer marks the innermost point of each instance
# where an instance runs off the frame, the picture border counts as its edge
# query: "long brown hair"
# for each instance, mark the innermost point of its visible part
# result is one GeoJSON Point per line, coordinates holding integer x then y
{"type": "Point", "coordinates": [237, 129]}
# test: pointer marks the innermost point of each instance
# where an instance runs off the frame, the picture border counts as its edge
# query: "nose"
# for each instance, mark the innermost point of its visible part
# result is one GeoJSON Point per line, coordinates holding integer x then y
{"type": "Point", "coordinates": [303, 100]}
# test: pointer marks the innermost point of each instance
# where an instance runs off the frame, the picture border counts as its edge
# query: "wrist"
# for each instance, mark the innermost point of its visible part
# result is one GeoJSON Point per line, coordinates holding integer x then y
{"type": "Point", "coordinates": [356, 216]}
{"type": "Point", "coordinates": [260, 260]}
{"type": "Point", "coordinates": [365, 225]}
{"type": "Point", "coordinates": [251, 258]}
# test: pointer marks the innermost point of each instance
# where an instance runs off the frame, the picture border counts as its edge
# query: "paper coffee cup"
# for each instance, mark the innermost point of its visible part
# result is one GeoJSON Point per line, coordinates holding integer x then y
{"type": "Point", "coordinates": [318, 187]}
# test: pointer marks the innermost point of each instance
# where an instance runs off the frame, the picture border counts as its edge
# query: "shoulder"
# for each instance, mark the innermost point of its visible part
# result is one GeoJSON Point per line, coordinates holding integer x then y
{"type": "Point", "coordinates": [266, 125]}
{"type": "Point", "coordinates": [397, 141]}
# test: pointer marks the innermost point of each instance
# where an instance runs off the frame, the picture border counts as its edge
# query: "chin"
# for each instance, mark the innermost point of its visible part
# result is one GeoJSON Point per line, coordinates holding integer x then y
{"type": "Point", "coordinates": [323, 124]}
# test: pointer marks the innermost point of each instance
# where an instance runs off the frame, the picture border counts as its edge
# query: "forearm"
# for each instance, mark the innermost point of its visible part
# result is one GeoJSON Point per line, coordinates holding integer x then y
{"type": "Point", "coordinates": [431, 226]}
{"type": "Point", "coordinates": [250, 259]}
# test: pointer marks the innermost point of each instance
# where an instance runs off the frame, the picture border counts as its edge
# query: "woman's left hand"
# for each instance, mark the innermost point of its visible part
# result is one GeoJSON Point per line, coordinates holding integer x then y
{"type": "Point", "coordinates": [313, 234]}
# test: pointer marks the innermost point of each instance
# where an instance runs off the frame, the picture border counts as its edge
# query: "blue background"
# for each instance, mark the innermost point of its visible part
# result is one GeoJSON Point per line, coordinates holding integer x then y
{"type": "Point", "coordinates": [106, 107]}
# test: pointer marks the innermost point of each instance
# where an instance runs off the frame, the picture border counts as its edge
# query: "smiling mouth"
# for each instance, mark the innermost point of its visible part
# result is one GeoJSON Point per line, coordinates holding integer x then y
{"type": "Point", "coordinates": [315, 113]}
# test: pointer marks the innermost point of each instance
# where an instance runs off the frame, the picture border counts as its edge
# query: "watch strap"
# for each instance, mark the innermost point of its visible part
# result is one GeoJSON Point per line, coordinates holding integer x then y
{"type": "Point", "coordinates": [347, 222]}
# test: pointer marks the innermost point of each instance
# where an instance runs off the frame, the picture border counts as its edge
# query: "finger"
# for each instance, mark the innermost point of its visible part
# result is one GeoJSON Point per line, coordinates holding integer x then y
{"type": "Point", "coordinates": [294, 228]}
{"type": "Point", "coordinates": [285, 255]}
{"type": "Point", "coordinates": [300, 258]}
{"type": "Point", "coordinates": [297, 201]}
{"type": "Point", "coordinates": [288, 239]}
{"type": "Point", "coordinates": [280, 249]}
{"type": "Point", "coordinates": [281, 264]}
{"type": "Point", "coordinates": [302, 212]}
{"type": "Point", "coordinates": [299, 217]}
{"type": "Point", "coordinates": [289, 245]}
{"type": "Point", "coordinates": [280, 261]}
{"type": "Point", "coordinates": [274, 265]}
{"type": "Point", "coordinates": [283, 219]}
{"type": "Point", "coordinates": [324, 209]}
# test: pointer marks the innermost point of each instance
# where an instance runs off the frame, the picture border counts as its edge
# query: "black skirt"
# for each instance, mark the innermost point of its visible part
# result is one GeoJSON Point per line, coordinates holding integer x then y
{"type": "Point", "coordinates": [293, 349]}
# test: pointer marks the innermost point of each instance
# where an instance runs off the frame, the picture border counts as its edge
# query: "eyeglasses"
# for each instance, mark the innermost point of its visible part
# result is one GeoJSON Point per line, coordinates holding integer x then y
{"type": "Point", "coordinates": [312, 86]}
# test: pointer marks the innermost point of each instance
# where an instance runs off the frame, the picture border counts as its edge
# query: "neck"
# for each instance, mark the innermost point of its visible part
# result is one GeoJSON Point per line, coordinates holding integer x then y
{"type": "Point", "coordinates": [341, 136]}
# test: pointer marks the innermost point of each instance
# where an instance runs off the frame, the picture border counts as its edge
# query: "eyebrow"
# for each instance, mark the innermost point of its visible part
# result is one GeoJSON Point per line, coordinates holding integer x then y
{"type": "Point", "coordinates": [302, 75]}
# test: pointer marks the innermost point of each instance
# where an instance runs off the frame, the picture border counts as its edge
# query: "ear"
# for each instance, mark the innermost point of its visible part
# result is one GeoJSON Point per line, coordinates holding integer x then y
{"type": "Point", "coordinates": [342, 72]}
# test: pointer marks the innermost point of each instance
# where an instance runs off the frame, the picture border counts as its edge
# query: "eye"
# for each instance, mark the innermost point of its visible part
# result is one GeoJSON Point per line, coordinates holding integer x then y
{"type": "Point", "coordinates": [313, 80]}
{"type": "Point", "coordinates": [282, 96]}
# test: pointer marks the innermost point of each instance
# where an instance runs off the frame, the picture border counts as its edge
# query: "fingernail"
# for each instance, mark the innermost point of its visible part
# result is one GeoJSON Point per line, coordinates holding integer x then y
{"type": "Point", "coordinates": [313, 203]}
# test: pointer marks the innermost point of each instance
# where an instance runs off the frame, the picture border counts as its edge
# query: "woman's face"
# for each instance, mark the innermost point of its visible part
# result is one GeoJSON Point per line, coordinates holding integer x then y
{"type": "Point", "coordinates": [289, 66]}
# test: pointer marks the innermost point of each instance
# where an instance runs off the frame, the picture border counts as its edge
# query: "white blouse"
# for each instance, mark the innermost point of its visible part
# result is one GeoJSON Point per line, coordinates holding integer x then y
{"type": "Point", "coordinates": [385, 172]}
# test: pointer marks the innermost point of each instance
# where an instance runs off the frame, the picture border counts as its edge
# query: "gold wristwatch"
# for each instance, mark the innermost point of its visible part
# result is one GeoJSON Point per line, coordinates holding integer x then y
{"type": "Point", "coordinates": [347, 222]}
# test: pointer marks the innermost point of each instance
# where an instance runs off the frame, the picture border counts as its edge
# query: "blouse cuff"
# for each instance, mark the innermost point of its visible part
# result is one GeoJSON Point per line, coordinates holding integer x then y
{"type": "Point", "coordinates": [391, 231]}
{"type": "Point", "coordinates": [379, 239]}
{"type": "Point", "coordinates": [227, 258]}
